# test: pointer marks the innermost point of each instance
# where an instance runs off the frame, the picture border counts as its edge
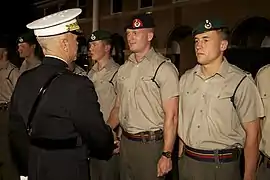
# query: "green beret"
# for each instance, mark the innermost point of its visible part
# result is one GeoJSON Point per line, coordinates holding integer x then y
{"type": "Point", "coordinates": [208, 25]}
{"type": "Point", "coordinates": [99, 35]}
{"type": "Point", "coordinates": [27, 37]}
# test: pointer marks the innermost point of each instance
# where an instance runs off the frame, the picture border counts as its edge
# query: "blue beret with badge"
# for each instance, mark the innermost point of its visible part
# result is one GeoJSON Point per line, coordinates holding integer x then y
{"type": "Point", "coordinates": [208, 25]}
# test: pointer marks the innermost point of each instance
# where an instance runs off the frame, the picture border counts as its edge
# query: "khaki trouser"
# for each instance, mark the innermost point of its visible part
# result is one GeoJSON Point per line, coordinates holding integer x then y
{"type": "Point", "coordinates": [138, 160]}
{"type": "Point", "coordinates": [8, 171]}
{"type": "Point", "coordinates": [190, 169]}
{"type": "Point", "coordinates": [263, 172]}
{"type": "Point", "coordinates": [105, 170]}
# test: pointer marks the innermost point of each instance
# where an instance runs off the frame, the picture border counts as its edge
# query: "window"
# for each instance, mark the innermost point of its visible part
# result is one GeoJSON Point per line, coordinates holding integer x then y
{"type": "Point", "coordinates": [82, 4]}
{"type": "Point", "coordinates": [116, 6]}
{"type": "Point", "coordinates": [145, 3]}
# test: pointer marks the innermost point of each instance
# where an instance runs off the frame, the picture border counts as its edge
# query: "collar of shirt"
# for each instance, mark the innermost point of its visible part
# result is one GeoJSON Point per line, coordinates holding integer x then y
{"type": "Point", "coordinates": [107, 66]}
{"type": "Point", "coordinates": [223, 69]}
{"type": "Point", "coordinates": [33, 60]}
{"type": "Point", "coordinates": [3, 64]}
{"type": "Point", "coordinates": [55, 61]}
{"type": "Point", "coordinates": [148, 56]}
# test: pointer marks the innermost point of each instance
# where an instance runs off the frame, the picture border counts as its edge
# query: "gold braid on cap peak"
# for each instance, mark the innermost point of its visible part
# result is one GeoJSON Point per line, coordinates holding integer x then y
{"type": "Point", "coordinates": [73, 27]}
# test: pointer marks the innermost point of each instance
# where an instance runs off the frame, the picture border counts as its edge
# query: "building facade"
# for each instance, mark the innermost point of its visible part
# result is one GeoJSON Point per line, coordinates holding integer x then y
{"type": "Point", "coordinates": [248, 20]}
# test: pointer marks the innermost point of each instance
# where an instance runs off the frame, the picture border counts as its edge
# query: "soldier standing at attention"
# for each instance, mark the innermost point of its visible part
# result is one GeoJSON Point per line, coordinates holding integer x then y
{"type": "Point", "coordinates": [102, 75]}
{"type": "Point", "coordinates": [27, 48]}
{"type": "Point", "coordinates": [262, 80]}
{"type": "Point", "coordinates": [57, 108]}
{"type": "Point", "coordinates": [146, 106]}
{"type": "Point", "coordinates": [9, 74]}
{"type": "Point", "coordinates": [219, 112]}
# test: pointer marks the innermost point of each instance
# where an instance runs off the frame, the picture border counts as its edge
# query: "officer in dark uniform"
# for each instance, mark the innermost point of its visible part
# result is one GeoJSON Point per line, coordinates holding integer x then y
{"type": "Point", "coordinates": [55, 118]}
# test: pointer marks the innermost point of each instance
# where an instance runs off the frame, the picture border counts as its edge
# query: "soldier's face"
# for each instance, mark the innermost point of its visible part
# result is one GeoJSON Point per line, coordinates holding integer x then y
{"type": "Point", "coordinates": [139, 39]}
{"type": "Point", "coordinates": [209, 46]}
{"type": "Point", "coordinates": [3, 54]}
{"type": "Point", "coordinates": [25, 49]}
{"type": "Point", "coordinates": [97, 50]}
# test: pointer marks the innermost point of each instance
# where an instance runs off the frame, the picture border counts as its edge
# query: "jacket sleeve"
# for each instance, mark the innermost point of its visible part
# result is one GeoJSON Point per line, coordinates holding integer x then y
{"type": "Point", "coordinates": [18, 138]}
{"type": "Point", "coordinates": [89, 122]}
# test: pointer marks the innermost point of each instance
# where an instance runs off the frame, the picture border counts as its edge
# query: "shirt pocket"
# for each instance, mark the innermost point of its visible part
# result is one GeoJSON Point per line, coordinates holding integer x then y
{"type": "Point", "coordinates": [223, 112]}
{"type": "Point", "coordinates": [123, 84]}
{"type": "Point", "coordinates": [265, 96]}
{"type": "Point", "coordinates": [147, 84]}
{"type": "Point", "coordinates": [189, 98]}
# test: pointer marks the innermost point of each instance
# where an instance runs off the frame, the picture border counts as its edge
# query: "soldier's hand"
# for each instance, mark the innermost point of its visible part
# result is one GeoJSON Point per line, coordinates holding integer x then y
{"type": "Point", "coordinates": [164, 166]}
{"type": "Point", "coordinates": [117, 147]}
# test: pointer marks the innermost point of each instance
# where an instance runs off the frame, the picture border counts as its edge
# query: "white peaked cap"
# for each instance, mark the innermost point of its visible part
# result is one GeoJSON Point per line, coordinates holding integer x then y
{"type": "Point", "coordinates": [57, 23]}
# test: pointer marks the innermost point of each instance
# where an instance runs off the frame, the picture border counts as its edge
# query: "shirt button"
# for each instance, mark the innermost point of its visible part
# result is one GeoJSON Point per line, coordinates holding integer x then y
{"type": "Point", "coordinates": [201, 111]}
{"type": "Point", "coordinates": [198, 126]}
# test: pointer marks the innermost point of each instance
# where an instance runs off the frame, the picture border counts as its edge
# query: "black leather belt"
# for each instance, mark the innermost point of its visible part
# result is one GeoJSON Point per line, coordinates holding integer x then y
{"type": "Point", "coordinates": [218, 156]}
{"type": "Point", "coordinates": [51, 144]}
{"type": "Point", "coordinates": [145, 136]}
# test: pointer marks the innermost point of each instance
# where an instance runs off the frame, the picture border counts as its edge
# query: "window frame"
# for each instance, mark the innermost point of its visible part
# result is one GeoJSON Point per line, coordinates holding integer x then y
{"type": "Point", "coordinates": [111, 4]}
{"type": "Point", "coordinates": [139, 5]}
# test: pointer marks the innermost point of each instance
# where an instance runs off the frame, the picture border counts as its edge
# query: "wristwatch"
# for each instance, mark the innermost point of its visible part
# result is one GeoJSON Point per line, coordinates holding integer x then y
{"type": "Point", "coordinates": [167, 154]}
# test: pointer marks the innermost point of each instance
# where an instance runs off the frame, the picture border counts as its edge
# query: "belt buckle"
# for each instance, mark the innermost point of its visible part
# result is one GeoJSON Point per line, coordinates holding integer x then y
{"type": "Point", "coordinates": [152, 136]}
{"type": "Point", "coordinates": [144, 140]}
{"type": "Point", "coordinates": [217, 160]}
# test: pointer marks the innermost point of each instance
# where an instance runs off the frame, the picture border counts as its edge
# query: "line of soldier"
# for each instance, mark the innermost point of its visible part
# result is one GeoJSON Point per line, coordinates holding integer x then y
{"type": "Point", "coordinates": [216, 110]}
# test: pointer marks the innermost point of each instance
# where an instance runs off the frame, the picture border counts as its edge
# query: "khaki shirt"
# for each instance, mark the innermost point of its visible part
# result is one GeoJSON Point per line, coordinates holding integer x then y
{"type": "Point", "coordinates": [80, 71]}
{"type": "Point", "coordinates": [207, 117]}
{"type": "Point", "coordinates": [104, 81]}
{"type": "Point", "coordinates": [263, 84]}
{"type": "Point", "coordinates": [9, 74]}
{"type": "Point", "coordinates": [29, 64]}
{"type": "Point", "coordinates": [141, 101]}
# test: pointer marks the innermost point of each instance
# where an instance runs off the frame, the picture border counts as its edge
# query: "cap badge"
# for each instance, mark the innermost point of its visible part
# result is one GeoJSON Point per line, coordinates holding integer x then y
{"type": "Point", "coordinates": [93, 37]}
{"type": "Point", "coordinates": [207, 24]}
{"type": "Point", "coordinates": [137, 23]}
{"type": "Point", "coordinates": [20, 39]}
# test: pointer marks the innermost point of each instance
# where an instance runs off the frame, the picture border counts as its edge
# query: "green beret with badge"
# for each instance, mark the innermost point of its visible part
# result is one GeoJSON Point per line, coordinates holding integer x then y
{"type": "Point", "coordinates": [208, 25]}
{"type": "Point", "coordinates": [99, 35]}
{"type": "Point", "coordinates": [28, 37]}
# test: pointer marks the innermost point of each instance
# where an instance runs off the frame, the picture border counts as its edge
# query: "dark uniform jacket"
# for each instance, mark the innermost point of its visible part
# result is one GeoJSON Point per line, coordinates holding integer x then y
{"type": "Point", "coordinates": [68, 110]}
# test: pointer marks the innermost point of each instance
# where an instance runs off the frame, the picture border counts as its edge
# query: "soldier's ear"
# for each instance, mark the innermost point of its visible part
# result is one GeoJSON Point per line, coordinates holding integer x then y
{"type": "Point", "coordinates": [224, 45]}
{"type": "Point", "coordinates": [64, 44]}
{"type": "Point", "coordinates": [107, 47]}
{"type": "Point", "coordinates": [150, 35]}
{"type": "Point", "coordinates": [34, 46]}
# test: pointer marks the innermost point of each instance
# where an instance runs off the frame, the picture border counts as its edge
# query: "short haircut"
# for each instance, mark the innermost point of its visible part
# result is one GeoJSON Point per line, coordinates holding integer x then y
{"type": "Point", "coordinates": [225, 34]}
{"type": "Point", "coordinates": [108, 42]}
